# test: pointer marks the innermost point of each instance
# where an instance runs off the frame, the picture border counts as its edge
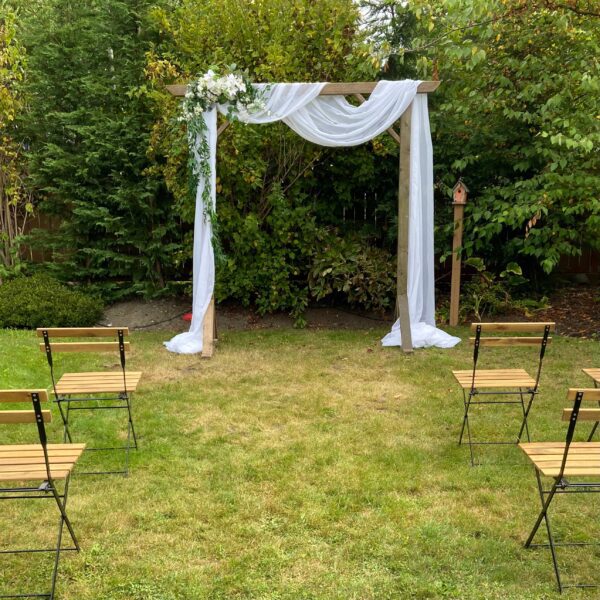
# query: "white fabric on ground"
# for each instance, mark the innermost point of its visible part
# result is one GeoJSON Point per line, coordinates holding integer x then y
{"type": "Point", "coordinates": [333, 121]}
{"type": "Point", "coordinates": [423, 336]}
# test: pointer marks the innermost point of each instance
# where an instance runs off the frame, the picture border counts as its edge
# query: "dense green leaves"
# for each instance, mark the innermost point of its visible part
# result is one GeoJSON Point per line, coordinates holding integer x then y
{"type": "Point", "coordinates": [89, 129]}
{"type": "Point", "coordinates": [41, 301]}
{"type": "Point", "coordinates": [516, 116]}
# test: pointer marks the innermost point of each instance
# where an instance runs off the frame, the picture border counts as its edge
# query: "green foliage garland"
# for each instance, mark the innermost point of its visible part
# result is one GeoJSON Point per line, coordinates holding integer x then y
{"type": "Point", "coordinates": [233, 89]}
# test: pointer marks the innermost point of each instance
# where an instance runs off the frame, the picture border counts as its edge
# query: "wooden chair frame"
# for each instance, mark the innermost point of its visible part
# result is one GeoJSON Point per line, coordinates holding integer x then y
{"type": "Point", "coordinates": [35, 470]}
{"type": "Point", "coordinates": [595, 375]}
{"type": "Point", "coordinates": [91, 401]}
{"type": "Point", "coordinates": [524, 388]}
{"type": "Point", "coordinates": [563, 462]}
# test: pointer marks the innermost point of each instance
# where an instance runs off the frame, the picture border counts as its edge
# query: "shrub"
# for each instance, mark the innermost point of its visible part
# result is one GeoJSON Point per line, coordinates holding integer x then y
{"type": "Point", "coordinates": [351, 270]}
{"type": "Point", "coordinates": [41, 301]}
{"type": "Point", "coordinates": [267, 255]}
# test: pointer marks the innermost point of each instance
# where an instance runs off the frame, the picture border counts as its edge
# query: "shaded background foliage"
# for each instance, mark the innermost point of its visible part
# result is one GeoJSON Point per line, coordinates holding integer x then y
{"type": "Point", "coordinates": [516, 116]}
{"type": "Point", "coordinates": [15, 198]}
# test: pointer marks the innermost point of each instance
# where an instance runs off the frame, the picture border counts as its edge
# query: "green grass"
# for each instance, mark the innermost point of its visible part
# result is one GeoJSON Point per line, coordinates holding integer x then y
{"type": "Point", "coordinates": [305, 464]}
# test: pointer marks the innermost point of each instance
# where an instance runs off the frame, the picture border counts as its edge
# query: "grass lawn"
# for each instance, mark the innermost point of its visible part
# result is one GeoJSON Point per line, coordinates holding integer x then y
{"type": "Point", "coordinates": [304, 464]}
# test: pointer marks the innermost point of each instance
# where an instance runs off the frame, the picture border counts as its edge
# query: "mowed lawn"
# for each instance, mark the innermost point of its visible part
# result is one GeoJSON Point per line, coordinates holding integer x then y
{"type": "Point", "coordinates": [303, 464]}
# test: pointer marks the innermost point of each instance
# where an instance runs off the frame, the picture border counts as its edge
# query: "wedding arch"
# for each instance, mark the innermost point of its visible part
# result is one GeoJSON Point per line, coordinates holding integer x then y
{"type": "Point", "coordinates": [320, 113]}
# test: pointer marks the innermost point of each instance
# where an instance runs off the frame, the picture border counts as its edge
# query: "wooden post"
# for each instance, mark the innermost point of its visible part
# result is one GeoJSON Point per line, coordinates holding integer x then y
{"type": "Point", "coordinates": [208, 330]}
{"type": "Point", "coordinates": [209, 324]}
{"type": "Point", "coordinates": [403, 217]}
{"type": "Point", "coordinates": [459, 195]}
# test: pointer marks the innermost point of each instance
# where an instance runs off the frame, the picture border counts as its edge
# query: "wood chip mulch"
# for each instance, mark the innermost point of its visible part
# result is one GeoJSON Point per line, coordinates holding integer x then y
{"type": "Point", "coordinates": [576, 311]}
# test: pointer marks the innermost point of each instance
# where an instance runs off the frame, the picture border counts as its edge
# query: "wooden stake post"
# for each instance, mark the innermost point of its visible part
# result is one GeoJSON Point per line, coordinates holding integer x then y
{"type": "Point", "coordinates": [459, 195]}
{"type": "Point", "coordinates": [357, 89]}
{"type": "Point", "coordinates": [403, 220]}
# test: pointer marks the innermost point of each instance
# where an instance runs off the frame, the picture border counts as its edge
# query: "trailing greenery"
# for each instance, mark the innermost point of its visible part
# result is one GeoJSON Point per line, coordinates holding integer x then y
{"type": "Point", "coordinates": [41, 301]}
{"type": "Point", "coordinates": [267, 193]}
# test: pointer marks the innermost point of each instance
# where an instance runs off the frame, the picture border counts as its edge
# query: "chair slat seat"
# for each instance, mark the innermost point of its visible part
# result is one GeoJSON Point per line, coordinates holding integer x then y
{"type": "Point", "coordinates": [97, 382]}
{"type": "Point", "coordinates": [594, 374]}
{"type": "Point", "coordinates": [583, 458]}
{"type": "Point", "coordinates": [27, 463]}
{"type": "Point", "coordinates": [494, 378]}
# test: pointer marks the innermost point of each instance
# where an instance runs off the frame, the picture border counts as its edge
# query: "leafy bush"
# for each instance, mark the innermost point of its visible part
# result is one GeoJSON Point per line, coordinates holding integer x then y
{"type": "Point", "coordinates": [488, 294]}
{"type": "Point", "coordinates": [363, 275]}
{"type": "Point", "coordinates": [41, 301]}
{"type": "Point", "coordinates": [267, 255]}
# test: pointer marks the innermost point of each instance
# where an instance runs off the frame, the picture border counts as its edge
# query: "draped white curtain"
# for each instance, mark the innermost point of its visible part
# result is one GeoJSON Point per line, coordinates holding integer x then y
{"type": "Point", "coordinates": [333, 121]}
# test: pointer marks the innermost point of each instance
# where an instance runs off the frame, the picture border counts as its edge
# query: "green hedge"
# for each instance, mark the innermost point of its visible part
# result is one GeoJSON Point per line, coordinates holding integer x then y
{"type": "Point", "coordinates": [41, 301]}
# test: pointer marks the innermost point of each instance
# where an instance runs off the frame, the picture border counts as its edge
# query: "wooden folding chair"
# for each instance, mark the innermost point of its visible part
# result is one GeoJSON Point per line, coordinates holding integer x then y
{"type": "Point", "coordinates": [91, 391]}
{"type": "Point", "coordinates": [478, 385]}
{"type": "Point", "coordinates": [37, 468]}
{"type": "Point", "coordinates": [567, 463]}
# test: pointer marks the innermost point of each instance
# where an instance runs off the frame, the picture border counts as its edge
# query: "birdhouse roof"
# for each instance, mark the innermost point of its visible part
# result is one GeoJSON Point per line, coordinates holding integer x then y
{"type": "Point", "coordinates": [460, 183]}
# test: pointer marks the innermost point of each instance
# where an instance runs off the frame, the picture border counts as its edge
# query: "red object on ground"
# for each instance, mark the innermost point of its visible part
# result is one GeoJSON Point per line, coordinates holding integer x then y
{"type": "Point", "coordinates": [187, 317]}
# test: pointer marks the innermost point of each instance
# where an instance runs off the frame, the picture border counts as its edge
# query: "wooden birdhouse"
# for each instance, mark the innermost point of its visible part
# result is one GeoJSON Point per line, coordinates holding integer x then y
{"type": "Point", "coordinates": [459, 192]}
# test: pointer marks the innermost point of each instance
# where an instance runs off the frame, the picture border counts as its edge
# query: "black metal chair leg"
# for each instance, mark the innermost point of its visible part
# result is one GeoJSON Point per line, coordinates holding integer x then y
{"type": "Point", "coordinates": [64, 517]}
{"type": "Point", "coordinates": [544, 516]}
{"type": "Point", "coordinates": [65, 420]}
{"type": "Point", "coordinates": [465, 416]}
{"type": "Point", "coordinates": [524, 424]}
{"type": "Point", "coordinates": [129, 403]}
{"type": "Point", "coordinates": [61, 523]}
{"type": "Point", "coordinates": [466, 425]}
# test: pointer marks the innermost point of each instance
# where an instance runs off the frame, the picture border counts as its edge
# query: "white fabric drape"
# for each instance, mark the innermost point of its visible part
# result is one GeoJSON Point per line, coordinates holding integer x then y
{"type": "Point", "coordinates": [421, 278]}
{"type": "Point", "coordinates": [333, 121]}
{"type": "Point", "coordinates": [203, 270]}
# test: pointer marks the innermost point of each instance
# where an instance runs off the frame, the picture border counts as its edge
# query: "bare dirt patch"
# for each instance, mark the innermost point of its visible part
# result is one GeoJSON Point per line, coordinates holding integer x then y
{"type": "Point", "coordinates": [166, 315]}
{"type": "Point", "coordinates": [575, 309]}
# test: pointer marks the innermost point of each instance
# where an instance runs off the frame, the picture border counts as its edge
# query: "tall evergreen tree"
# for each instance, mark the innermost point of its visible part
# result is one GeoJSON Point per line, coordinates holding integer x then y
{"type": "Point", "coordinates": [89, 128]}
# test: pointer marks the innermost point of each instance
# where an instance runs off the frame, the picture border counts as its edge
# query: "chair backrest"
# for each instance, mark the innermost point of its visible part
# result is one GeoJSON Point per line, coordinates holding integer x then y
{"type": "Point", "coordinates": [575, 414]}
{"type": "Point", "coordinates": [50, 333]}
{"type": "Point", "coordinates": [117, 333]}
{"type": "Point", "coordinates": [578, 396]}
{"type": "Point", "coordinates": [35, 415]}
{"type": "Point", "coordinates": [503, 341]}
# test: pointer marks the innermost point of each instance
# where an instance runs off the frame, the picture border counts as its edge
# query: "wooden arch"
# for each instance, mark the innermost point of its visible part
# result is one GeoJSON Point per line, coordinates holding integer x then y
{"type": "Point", "coordinates": [402, 138]}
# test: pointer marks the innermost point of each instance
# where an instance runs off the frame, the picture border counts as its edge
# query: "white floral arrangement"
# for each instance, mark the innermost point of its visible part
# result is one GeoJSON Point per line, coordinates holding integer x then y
{"type": "Point", "coordinates": [233, 89]}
